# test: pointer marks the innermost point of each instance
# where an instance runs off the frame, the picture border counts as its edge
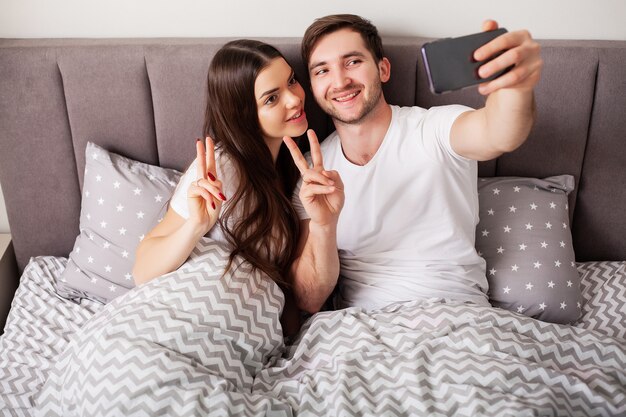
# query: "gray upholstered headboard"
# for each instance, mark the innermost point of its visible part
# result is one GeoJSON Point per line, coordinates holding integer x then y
{"type": "Point", "coordinates": [144, 98]}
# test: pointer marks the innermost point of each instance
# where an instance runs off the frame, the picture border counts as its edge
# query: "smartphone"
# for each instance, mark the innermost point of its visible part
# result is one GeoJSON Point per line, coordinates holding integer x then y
{"type": "Point", "coordinates": [450, 63]}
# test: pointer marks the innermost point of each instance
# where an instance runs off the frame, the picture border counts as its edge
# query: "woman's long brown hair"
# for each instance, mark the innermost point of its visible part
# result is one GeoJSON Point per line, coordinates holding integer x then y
{"type": "Point", "coordinates": [263, 226]}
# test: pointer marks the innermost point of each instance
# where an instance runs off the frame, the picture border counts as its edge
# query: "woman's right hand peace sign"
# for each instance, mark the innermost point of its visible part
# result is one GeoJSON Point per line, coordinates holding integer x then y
{"type": "Point", "coordinates": [321, 192]}
{"type": "Point", "coordinates": [205, 195]}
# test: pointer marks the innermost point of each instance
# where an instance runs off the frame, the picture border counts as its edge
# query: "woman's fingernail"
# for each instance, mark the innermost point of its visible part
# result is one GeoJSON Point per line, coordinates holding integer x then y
{"type": "Point", "coordinates": [222, 196]}
{"type": "Point", "coordinates": [211, 176]}
{"type": "Point", "coordinates": [197, 139]}
{"type": "Point", "coordinates": [213, 205]}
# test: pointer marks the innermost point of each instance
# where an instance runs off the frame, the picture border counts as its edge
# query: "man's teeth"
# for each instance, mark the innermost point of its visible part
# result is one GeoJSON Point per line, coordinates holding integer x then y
{"type": "Point", "coordinates": [345, 98]}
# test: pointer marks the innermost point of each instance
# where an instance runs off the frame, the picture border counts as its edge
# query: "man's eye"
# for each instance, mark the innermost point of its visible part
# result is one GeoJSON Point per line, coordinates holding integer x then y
{"type": "Point", "coordinates": [271, 99]}
{"type": "Point", "coordinates": [321, 72]}
{"type": "Point", "coordinates": [354, 62]}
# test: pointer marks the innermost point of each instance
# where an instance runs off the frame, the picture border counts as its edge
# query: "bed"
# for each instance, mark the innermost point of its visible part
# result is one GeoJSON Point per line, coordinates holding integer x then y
{"type": "Point", "coordinates": [137, 105]}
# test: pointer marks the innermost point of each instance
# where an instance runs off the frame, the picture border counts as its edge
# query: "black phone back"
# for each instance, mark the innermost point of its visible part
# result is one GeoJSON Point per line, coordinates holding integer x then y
{"type": "Point", "coordinates": [450, 64]}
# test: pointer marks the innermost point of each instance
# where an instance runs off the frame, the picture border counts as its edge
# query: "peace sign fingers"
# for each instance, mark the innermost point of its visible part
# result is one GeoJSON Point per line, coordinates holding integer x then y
{"type": "Point", "coordinates": [299, 159]}
{"type": "Point", "coordinates": [210, 169]}
{"type": "Point", "coordinates": [297, 156]}
{"type": "Point", "coordinates": [316, 152]}
{"type": "Point", "coordinates": [321, 191]}
{"type": "Point", "coordinates": [201, 165]}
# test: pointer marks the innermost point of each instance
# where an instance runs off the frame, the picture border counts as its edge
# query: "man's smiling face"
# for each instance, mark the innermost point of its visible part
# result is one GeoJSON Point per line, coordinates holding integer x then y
{"type": "Point", "coordinates": [346, 80]}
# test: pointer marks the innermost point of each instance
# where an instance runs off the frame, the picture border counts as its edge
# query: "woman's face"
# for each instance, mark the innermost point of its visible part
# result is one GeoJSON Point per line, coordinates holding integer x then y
{"type": "Point", "coordinates": [280, 101]}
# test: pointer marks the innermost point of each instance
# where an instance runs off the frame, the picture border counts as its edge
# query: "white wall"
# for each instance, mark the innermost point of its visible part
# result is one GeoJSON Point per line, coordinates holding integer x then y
{"type": "Point", "coordinates": [546, 19]}
{"type": "Point", "coordinates": [558, 19]}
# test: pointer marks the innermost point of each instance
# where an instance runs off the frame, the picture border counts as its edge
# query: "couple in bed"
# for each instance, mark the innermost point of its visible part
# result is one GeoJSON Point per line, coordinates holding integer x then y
{"type": "Point", "coordinates": [388, 201]}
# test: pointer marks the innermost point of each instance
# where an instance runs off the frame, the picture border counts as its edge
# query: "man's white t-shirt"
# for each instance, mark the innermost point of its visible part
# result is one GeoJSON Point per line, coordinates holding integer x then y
{"type": "Point", "coordinates": [407, 228]}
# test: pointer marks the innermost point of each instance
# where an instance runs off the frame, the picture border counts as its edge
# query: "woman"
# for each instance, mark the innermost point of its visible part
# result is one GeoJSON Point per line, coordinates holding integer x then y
{"type": "Point", "coordinates": [239, 187]}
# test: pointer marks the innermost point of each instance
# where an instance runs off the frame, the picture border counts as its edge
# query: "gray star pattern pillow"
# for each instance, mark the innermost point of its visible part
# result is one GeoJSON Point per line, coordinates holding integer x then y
{"type": "Point", "coordinates": [122, 201]}
{"type": "Point", "coordinates": [525, 238]}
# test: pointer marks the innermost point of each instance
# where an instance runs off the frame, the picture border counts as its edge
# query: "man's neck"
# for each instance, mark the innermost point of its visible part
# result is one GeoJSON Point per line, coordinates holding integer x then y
{"type": "Point", "coordinates": [361, 141]}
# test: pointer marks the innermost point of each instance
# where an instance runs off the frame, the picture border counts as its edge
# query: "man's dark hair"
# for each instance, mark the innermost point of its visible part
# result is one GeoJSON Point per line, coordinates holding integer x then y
{"type": "Point", "coordinates": [329, 24]}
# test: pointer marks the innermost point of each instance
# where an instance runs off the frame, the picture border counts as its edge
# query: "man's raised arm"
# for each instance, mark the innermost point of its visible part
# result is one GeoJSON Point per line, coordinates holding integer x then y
{"type": "Point", "coordinates": [316, 268]}
{"type": "Point", "coordinates": [505, 121]}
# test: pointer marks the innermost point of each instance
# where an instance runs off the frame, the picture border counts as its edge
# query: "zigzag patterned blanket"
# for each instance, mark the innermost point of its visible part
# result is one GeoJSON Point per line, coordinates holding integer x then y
{"type": "Point", "coordinates": [195, 342]}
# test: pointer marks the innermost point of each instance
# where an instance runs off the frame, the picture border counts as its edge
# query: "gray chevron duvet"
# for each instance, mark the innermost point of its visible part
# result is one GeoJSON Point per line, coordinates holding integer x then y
{"type": "Point", "coordinates": [196, 343]}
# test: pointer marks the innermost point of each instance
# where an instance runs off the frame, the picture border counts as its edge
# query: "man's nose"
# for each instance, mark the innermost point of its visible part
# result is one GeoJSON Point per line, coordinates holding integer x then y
{"type": "Point", "coordinates": [340, 79]}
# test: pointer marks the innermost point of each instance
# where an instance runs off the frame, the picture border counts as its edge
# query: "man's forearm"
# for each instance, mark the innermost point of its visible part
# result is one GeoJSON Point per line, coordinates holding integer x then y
{"type": "Point", "coordinates": [499, 127]}
{"type": "Point", "coordinates": [509, 116]}
{"type": "Point", "coordinates": [316, 270]}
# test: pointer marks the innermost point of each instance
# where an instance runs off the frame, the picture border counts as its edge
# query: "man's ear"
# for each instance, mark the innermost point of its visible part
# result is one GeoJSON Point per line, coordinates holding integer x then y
{"type": "Point", "coordinates": [384, 69]}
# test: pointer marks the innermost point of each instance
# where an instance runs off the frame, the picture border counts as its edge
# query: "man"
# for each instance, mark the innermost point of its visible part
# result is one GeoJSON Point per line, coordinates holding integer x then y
{"type": "Point", "coordinates": [390, 201]}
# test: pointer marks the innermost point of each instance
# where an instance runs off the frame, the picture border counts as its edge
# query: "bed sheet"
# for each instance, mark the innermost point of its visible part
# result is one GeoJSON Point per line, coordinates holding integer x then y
{"type": "Point", "coordinates": [603, 288]}
{"type": "Point", "coordinates": [38, 329]}
{"type": "Point", "coordinates": [41, 323]}
{"type": "Point", "coordinates": [158, 350]}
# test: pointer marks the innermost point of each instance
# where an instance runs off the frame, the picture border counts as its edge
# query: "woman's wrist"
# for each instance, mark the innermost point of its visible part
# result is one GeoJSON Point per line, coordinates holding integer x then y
{"type": "Point", "coordinates": [195, 228]}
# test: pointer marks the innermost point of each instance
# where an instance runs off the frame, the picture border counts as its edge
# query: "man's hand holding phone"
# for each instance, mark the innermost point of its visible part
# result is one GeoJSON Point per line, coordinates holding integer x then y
{"type": "Point", "coordinates": [493, 58]}
{"type": "Point", "coordinates": [519, 50]}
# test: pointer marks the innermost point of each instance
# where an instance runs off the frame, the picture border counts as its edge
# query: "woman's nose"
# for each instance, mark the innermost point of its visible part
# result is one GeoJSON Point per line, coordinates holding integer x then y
{"type": "Point", "coordinates": [293, 100]}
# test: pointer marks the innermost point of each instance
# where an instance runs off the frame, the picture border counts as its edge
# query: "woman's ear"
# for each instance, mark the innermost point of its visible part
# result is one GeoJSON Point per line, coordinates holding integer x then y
{"type": "Point", "coordinates": [384, 70]}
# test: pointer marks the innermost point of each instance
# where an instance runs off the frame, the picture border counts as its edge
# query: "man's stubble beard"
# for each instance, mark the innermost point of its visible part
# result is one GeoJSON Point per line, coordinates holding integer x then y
{"type": "Point", "coordinates": [369, 105]}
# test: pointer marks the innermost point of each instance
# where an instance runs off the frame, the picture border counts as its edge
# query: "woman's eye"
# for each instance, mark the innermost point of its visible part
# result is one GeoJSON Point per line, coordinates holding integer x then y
{"type": "Point", "coordinates": [293, 81]}
{"type": "Point", "coordinates": [271, 99]}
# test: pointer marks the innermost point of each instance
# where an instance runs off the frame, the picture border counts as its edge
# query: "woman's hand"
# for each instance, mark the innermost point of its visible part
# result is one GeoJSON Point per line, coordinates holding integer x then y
{"type": "Point", "coordinates": [321, 192]}
{"type": "Point", "coordinates": [205, 195]}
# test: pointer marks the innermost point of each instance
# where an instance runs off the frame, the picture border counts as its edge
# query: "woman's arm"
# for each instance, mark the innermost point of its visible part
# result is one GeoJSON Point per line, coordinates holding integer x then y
{"type": "Point", "coordinates": [169, 244]}
{"type": "Point", "coordinates": [166, 247]}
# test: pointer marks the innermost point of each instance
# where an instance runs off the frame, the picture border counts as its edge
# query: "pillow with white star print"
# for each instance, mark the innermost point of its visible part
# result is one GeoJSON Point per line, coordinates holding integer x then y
{"type": "Point", "coordinates": [524, 237]}
{"type": "Point", "coordinates": [122, 200]}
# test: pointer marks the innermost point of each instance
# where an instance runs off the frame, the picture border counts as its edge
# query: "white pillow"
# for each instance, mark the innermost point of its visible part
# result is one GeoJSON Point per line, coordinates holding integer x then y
{"type": "Point", "coordinates": [122, 200]}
